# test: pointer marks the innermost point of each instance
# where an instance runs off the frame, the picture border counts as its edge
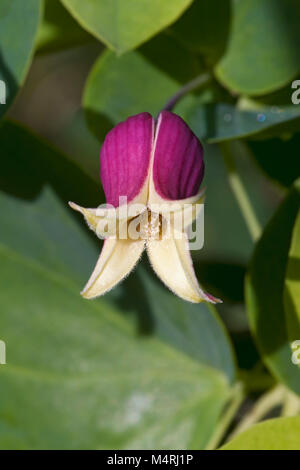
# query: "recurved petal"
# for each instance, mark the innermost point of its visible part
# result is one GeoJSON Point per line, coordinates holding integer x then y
{"type": "Point", "coordinates": [105, 225]}
{"type": "Point", "coordinates": [90, 215]}
{"type": "Point", "coordinates": [116, 260]}
{"type": "Point", "coordinates": [125, 159]}
{"type": "Point", "coordinates": [171, 260]}
{"type": "Point", "coordinates": [178, 166]}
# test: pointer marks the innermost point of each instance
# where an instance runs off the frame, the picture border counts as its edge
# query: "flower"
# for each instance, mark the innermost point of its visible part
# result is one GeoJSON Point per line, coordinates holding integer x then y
{"type": "Point", "coordinates": [158, 168]}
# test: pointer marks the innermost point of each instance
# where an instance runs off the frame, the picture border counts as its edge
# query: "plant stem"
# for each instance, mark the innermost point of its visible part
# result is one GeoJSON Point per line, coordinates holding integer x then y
{"type": "Point", "coordinates": [261, 408]}
{"type": "Point", "coordinates": [190, 86]}
{"type": "Point", "coordinates": [240, 193]}
{"type": "Point", "coordinates": [237, 399]}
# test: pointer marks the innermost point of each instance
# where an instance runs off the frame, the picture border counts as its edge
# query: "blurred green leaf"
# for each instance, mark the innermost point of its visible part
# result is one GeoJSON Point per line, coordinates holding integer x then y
{"type": "Point", "coordinates": [19, 23]}
{"type": "Point", "coordinates": [59, 30]}
{"type": "Point", "coordinates": [264, 291]}
{"type": "Point", "coordinates": [125, 25]}
{"type": "Point", "coordinates": [278, 158]}
{"type": "Point", "coordinates": [274, 434]}
{"type": "Point", "coordinates": [263, 52]}
{"type": "Point", "coordinates": [203, 31]}
{"type": "Point", "coordinates": [74, 365]}
{"type": "Point", "coordinates": [217, 122]}
{"type": "Point", "coordinates": [292, 284]}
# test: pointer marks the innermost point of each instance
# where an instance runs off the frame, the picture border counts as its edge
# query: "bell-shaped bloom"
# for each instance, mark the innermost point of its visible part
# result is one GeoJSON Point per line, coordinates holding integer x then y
{"type": "Point", "coordinates": [151, 173]}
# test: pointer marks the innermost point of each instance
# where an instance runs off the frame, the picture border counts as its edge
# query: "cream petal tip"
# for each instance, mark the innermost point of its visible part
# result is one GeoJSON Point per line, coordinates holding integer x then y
{"type": "Point", "coordinates": [84, 294]}
{"type": "Point", "coordinates": [75, 206]}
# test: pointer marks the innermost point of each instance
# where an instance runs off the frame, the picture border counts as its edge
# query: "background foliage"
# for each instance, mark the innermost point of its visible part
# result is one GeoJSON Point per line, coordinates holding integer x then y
{"type": "Point", "coordinates": [141, 368]}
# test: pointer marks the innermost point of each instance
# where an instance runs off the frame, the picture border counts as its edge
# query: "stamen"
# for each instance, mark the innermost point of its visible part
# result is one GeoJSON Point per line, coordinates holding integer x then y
{"type": "Point", "coordinates": [149, 227]}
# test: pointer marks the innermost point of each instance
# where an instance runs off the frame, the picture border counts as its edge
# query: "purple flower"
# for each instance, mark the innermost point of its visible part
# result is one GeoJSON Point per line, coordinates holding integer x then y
{"type": "Point", "coordinates": [151, 173]}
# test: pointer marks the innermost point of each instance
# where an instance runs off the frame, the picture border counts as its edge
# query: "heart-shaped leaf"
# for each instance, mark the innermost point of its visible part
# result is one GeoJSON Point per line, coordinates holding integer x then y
{"type": "Point", "coordinates": [124, 25]}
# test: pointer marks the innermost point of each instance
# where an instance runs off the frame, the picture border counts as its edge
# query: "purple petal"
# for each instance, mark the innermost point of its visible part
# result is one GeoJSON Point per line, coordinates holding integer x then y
{"type": "Point", "coordinates": [178, 166]}
{"type": "Point", "coordinates": [125, 158]}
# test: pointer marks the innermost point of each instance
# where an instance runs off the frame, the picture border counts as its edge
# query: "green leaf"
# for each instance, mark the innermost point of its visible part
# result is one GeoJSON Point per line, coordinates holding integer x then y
{"type": "Point", "coordinates": [19, 23]}
{"type": "Point", "coordinates": [274, 434]}
{"type": "Point", "coordinates": [263, 52]}
{"type": "Point", "coordinates": [59, 30]}
{"type": "Point", "coordinates": [74, 364]}
{"type": "Point", "coordinates": [124, 25]}
{"type": "Point", "coordinates": [278, 158]}
{"type": "Point", "coordinates": [217, 122]}
{"type": "Point", "coordinates": [264, 291]}
{"type": "Point", "coordinates": [292, 285]}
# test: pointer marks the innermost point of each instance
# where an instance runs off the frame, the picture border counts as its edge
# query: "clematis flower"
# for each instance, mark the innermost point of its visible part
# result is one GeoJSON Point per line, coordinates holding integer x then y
{"type": "Point", "coordinates": [158, 167]}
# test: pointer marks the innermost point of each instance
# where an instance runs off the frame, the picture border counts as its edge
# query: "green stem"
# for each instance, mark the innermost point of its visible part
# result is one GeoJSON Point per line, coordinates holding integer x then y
{"type": "Point", "coordinates": [262, 407]}
{"type": "Point", "coordinates": [190, 86]}
{"type": "Point", "coordinates": [224, 423]}
{"type": "Point", "coordinates": [240, 192]}
{"type": "Point", "coordinates": [277, 396]}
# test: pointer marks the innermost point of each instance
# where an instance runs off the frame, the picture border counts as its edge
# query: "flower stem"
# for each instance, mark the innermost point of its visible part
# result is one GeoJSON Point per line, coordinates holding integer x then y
{"type": "Point", "coordinates": [187, 88]}
{"type": "Point", "coordinates": [225, 421]}
{"type": "Point", "coordinates": [262, 407]}
{"type": "Point", "coordinates": [240, 193]}
{"type": "Point", "coordinates": [277, 396]}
